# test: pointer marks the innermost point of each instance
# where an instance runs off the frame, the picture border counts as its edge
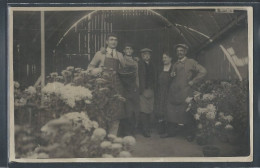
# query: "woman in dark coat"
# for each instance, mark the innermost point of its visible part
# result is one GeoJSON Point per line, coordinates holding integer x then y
{"type": "Point", "coordinates": [164, 80]}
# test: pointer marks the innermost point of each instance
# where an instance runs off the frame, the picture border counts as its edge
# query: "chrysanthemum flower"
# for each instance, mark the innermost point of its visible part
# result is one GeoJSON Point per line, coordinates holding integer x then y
{"type": "Point", "coordinates": [98, 134]}
{"type": "Point", "coordinates": [196, 116]}
{"type": "Point", "coordinates": [125, 154]}
{"type": "Point", "coordinates": [106, 144]}
{"type": "Point", "coordinates": [129, 140]}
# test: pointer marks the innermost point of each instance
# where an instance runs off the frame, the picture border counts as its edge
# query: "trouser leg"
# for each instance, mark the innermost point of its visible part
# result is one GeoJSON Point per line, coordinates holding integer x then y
{"type": "Point", "coordinates": [114, 127]}
{"type": "Point", "coordinates": [161, 127]}
{"type": "Point", "coordinates": [145, 124]}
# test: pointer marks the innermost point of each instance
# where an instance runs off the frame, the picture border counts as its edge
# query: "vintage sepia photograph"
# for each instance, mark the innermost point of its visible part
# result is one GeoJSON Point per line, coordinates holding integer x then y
{"type": "Point", "coordinates": [130, 84]}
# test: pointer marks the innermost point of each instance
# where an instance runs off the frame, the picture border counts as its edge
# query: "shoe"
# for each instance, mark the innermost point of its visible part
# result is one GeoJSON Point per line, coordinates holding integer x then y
{"type": "Point", "coordinates": [146, 134]}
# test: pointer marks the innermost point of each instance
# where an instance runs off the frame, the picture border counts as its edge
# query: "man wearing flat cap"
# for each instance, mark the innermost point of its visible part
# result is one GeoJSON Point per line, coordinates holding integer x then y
{"type": "Point", "coordinates": [185, 72]}
{"type": "Point", "coordinates": [147, 76]}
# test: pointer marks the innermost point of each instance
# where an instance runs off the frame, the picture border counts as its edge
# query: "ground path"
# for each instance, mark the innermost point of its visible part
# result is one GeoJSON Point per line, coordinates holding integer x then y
{"type": "Point", "coordinates": [174, 147]}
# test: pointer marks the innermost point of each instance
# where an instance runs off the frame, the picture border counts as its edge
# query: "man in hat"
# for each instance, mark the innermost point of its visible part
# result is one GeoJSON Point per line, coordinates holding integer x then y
{"type": "Point", "coordinates": [130, 82]}
{"type": "Point", "coordinates": [146, 72]}
{"type": "Point", "coordinates": [109, 60]}
{"type": "Point", "coordinates": [186, 73]}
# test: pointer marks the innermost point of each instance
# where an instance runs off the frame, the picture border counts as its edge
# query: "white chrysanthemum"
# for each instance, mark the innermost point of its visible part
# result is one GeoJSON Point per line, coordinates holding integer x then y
{"type": "Point", "coordinates": [188, 100]}
{"type": "Point", "coordinates": [84, 73]}
{"type": "Point", "coordinates": [211, 115]}
{"type": "Point", "coordinates": [218, 124]}
{"type": "Point", "coordinates": [118, 140]}
{"type": "Point", "coordinates": [83, 118]}
{"type": "Point", "coordinates": [129, 140]}
{"type": "Point", "coordinates": [16, 84]}
{"type": "Point", "coordinates": [196, 116]}
{"type": "Point", "coordinates": [54, 87]}
{"type": "Point", "coordinates": [95, 124]}
{"type": "Point", "coordinates": [104, 89]}
{"type": "Point", "coordinates": [87, 101]}
{"type": "Point", "coordinates": [211, 108]}
{"type": "Point", "coordinates": [208, 96]}
{"type": "Point", "coordinates": [199, 126]}
{"type": "Point", "coordinates": [98, 134]}
{"type": "Point", "coordinates": [229, 118]}
{"type": "Point", "coordinates": [107, 156]}
{"type": "Point", "coordinates": [21, 102]}
{"type": "Point", "coordinates": [78, 69]}
{"type": "Point", "coordinates": [101, 81]}
{"type": "Point", "coordinates": [59, 77]}
{"type": "Point", "coordinates": [106, 144]}
{"type": "Point", "coordinates": [119, 97]}
{"type": "Point", "coordinates": [117, 146]}
{"type": "Point", "coordinates": [196, 95]}
{"type": "Point", "coordinates": [188, 108]}
{"type": "Point", "coordinates": [54, 74]}
{"type": "Point", "coordinates": [228, 127]}
{"type": "Point", "coordinates": [201, 110]}
{"type": "Point", "coordinates": [70, 94]}
{"type": "Point", "coordinates": [221, 114]}
{"type": "Point", "coordinates": [31, 90]}
{"type": "Point", "coordinates": [70, 68]}
{"type": "Point", "coordinates": [111, 137]}
{"type": "Point", "coordinates": [226, 84]}
{"type": "Point", "coordinates": [38, 156]}
{"type": "Point", "coordinates": [125, 154]}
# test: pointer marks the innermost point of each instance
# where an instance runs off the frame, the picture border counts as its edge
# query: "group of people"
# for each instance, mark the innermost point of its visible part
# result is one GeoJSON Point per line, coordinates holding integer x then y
{"type": "Point", "coordinates": [149, 91]}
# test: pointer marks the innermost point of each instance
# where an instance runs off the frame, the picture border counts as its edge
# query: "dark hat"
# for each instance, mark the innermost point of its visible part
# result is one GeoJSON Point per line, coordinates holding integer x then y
{"type": "Point", "coordinates": [182, 45]}
{"type": "Point", "coordinates": [145, 50]}
{"type": "Point", "coordinates": [129, 45]}
{"type": "Point", "coordinates": [112, 35]}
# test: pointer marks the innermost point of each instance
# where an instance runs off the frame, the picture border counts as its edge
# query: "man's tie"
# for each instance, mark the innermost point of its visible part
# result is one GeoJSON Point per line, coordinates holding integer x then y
{"type": "Point", "coordinates": [112, 53]}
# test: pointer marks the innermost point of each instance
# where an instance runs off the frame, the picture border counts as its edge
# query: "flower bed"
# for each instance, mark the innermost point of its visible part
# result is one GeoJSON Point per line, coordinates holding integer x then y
{"type": "Point", "coordinates": [56, 132]}
{"type": "Point", "coordinates": [220, 108]}
{"type": "Point", "coordinates": [75, 90]}
{"type": "Point", "coordinates": [73, 135]}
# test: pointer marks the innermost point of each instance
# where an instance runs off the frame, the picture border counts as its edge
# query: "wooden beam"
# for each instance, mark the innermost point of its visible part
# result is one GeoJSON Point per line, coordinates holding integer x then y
{"type": "Point", "coordinates": [221, 32]}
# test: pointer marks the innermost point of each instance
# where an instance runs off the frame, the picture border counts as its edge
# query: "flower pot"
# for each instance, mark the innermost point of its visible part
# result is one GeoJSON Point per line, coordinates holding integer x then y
{"type": "Point", "coordinates": [202, 140]}
{"type": "Point", "coordinates": [210, 151]}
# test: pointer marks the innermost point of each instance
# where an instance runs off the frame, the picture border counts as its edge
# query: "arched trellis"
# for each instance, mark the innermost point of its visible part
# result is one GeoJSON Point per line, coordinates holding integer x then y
{"type": "Point", "coordinates": [169, 24]}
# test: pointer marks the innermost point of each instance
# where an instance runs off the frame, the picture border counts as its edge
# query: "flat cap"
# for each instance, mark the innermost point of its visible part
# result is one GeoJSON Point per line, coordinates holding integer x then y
{"type": "Point", "coordinates": [145, 50]}
{"type": "Point", "coordinates": [128, 45]}
{"type": "Point", "coordinates": [182, 45]}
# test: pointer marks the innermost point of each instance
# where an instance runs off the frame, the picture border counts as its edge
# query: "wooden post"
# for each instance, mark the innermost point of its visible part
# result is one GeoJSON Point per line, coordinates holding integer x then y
{"type": "Point", "coordinates": [42, 52]}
